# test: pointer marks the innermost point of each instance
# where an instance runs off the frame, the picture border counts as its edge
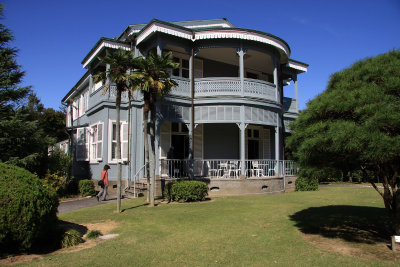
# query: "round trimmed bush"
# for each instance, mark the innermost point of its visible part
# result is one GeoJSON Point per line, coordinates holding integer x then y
{"type": "Point", "coordinates": [28, 209]}
{"type": "Point", "coordinates": [185, 191]}
{"type": "Point", "coordinates": [86, 188]}
{"type": "Point", "coordinates": [306, 184]}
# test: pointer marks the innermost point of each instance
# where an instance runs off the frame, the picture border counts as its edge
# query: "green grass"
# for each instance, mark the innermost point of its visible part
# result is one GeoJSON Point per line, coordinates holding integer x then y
{"type": "Point", "coordinates": [233, 231]}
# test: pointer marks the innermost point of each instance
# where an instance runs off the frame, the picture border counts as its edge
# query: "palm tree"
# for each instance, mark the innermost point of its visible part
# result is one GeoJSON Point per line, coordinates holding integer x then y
{"type": "Point", "coordinates": [120, 63]}
{"type": "Point", "coordinates": [153, 79]}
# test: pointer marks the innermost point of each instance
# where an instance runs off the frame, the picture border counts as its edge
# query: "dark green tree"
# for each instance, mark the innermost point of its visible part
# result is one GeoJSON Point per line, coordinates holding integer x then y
{"type": "Point", "coordinates": [26, 127]}
{"type": "Point", "coordinates": [12, 95]}
{"type": "Point", "coordinates": [354, 125]}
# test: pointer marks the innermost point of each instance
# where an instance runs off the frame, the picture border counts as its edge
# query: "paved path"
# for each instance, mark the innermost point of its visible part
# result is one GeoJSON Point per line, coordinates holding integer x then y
{"type": "Point", "coordinates": [82, 203]}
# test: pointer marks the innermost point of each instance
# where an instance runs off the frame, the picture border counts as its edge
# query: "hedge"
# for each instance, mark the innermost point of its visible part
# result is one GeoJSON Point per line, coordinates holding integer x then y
{"type": "Point", "coordinates": [306, 184]}
{"type": "Point", "coordinates": [185, 191]}
{"type": "Point", "coordinates": [28, 210]}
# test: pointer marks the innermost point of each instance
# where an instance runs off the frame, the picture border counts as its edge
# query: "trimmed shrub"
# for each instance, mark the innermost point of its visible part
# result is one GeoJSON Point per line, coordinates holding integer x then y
{"type": "Point", "coordinates": [28, 210]}
{"type": "Point", "coordinates": [185, 191]}
{"type": "Point", "coordinates": [86, 188]}
{"type": "Point", "coordinates": [93, 234]}
{"type": "Point", "coordinates": [70, 238]}
{"type": "Point", "coordinates": [306, 184]}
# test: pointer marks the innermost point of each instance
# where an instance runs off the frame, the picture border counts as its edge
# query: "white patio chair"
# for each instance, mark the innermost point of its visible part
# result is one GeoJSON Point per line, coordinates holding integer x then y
{"type": "Point", "coordinates": [211, 171]}
{"type": "Point", "coordinates": [257, 170]}
{"type": "Point", "coordinates": [234, 168]}
{"type": "Point", "coordinates": [223, 169]}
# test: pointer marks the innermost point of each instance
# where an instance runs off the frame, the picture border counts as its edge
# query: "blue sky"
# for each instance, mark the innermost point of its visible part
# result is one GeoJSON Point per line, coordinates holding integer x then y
{"type": "Point", "coordinates": [53, 36]}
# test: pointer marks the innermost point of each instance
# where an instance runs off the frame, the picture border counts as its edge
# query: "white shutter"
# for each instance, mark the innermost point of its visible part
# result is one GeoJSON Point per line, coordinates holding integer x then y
{"type": "Point", "coordinates": [99, 147]}
{"type": "Point", "coordinates": [198, 142]}
{"type": "Point", "coordinates": [266, 141]}
{"type": "Point", "coordinates": [87, 138]}
{"type": "Point", "coordinates": [124, 141]}
{"type": "Point", "coordinates": [68, 120]}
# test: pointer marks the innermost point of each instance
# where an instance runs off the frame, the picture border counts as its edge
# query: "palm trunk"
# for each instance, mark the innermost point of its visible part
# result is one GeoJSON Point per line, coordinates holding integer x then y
{"type": "Point", "coordinates": [153, 155]}
{"type": "Point", "coordinates": [118, 152]}
{"type": "Point", "coordinates": [146, 142]}
{"type": "Point", "coordinates": [153, 148]}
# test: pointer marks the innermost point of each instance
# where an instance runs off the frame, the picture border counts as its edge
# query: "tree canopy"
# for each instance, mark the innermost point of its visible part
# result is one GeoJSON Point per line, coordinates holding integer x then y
{"type": "Point", "coordinates": [354, 125]}
{"type": "Point", "coordinates": [26, 127]}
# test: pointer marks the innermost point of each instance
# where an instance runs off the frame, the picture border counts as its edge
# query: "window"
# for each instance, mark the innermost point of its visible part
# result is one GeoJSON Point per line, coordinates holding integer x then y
{"type": "Point", "coordinates": [124, 141]}
{"type": "Point", "coordinates": [82, 144]}
{"type": "Point", "coordinates": [83, 102]}
{"type": "Point", "coordinates": [183, 69]}
{"type": "Point", "coordinates": [179, 128]}
{"type": "Point", "coordinates": [96, 142]}
{"type": "Point", "coordinates": [75, 109]}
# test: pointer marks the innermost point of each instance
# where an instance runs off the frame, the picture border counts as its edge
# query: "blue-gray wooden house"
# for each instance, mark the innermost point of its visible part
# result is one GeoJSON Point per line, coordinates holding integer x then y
{"type": "Point", "coordinates": [231, 129]}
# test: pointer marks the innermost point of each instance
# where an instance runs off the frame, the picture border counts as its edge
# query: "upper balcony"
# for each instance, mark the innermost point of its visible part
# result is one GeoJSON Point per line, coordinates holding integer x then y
{"type": "Point", "coordinates": [226, 86]}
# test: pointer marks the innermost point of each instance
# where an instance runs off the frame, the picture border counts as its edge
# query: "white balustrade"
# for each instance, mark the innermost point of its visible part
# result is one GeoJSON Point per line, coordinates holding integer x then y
{"type": "Point", "coordinates": [227, 168]}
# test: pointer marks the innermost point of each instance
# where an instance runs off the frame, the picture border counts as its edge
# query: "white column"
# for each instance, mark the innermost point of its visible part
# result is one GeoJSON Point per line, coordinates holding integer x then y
{"type": "Point", "coordinates": [276, 79]}
{"type": "Point", "coordinates": [296, 93]}
{"type": "Point", "coordinates": [277, 138]}
{"type": "Point", "coordinates": [241, 52]}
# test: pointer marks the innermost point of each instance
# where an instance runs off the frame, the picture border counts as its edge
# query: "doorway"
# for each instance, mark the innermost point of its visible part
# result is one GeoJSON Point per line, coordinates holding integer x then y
{"type": "Point", "coordinates": [181, 146]}
{"type": "Point", "coordinates": [253, 149]}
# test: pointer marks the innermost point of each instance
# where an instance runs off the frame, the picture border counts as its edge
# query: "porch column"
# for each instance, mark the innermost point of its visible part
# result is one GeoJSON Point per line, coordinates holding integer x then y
{"type": "Point", "coordinates": [241, 52]}
{"type": "Point", "coordinates": [296, 93]}
{"type": "Point", "coordinates": [277, 95]}
{"type": "Point", "coordinates": [277, 138]}
{"type": "Point", "coordinates": [242, 128]}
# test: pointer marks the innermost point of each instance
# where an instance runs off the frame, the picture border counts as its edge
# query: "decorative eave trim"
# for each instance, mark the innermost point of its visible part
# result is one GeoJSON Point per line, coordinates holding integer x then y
{"type": "Point", "coordinates": [219, 25]}
{"type": "Point", "coordinates": [243, 35]}
{"type": "Point", "coordinates": [227, 33]}
{"type": "Point", "coordinates": [167, 29]}
{"type": "Point", "coordinates": [297, 65]}
{"type": "Point", "coordinates": [100, 46]}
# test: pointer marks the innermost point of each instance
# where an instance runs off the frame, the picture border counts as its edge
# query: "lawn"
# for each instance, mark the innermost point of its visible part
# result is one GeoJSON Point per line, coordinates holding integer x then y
{"type": "Point", "coordinates": [330, 227]}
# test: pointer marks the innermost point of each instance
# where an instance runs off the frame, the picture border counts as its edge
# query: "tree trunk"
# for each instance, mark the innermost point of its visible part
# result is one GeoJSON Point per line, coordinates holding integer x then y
{"type": "Point", "coordinates": [118, 152]}
{"type": "Point", "coordinates": [153, 150]}
{"type": "Point", "coordinates": [72, 139]}
{"type": "Point", "coordinates": [146, 142]}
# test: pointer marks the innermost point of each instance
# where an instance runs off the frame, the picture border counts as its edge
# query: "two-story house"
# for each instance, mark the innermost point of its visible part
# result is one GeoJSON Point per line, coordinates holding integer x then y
{"type": "Point", "coordinates": [225, 122]}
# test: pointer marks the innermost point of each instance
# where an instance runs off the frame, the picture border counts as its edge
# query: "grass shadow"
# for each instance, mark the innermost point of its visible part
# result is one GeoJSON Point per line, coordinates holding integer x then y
{"type": "Point", "coordinates": [351, 223]}
{"type": "Point", "coordinates": [134, 207]}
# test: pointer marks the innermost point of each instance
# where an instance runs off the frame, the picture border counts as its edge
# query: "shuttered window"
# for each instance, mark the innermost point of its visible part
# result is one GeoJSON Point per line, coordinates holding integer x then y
{"type": "Point", "coordinates": [124, 141]}
{"type": "Point", "coordinates": [82, 144]}
{"type": "Point", "coordinates": [96, 142]}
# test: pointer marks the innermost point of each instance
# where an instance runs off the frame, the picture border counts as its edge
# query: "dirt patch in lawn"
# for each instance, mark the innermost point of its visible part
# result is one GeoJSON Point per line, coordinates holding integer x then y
{"type": "Point", "coordinates": [104, 227]}
{"type": "Point", "coordinates": [376, 250]}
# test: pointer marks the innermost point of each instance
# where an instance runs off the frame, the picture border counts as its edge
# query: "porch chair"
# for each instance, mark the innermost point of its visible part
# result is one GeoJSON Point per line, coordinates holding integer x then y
{"type": "Point", "coordinates": [234, 168]}
{"type": "Point", "coordinates": [211, 170]}
{"type": "Point", "coordinates": [223, 169]}
{"type": "Point", "coordinates": [257, 170]}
